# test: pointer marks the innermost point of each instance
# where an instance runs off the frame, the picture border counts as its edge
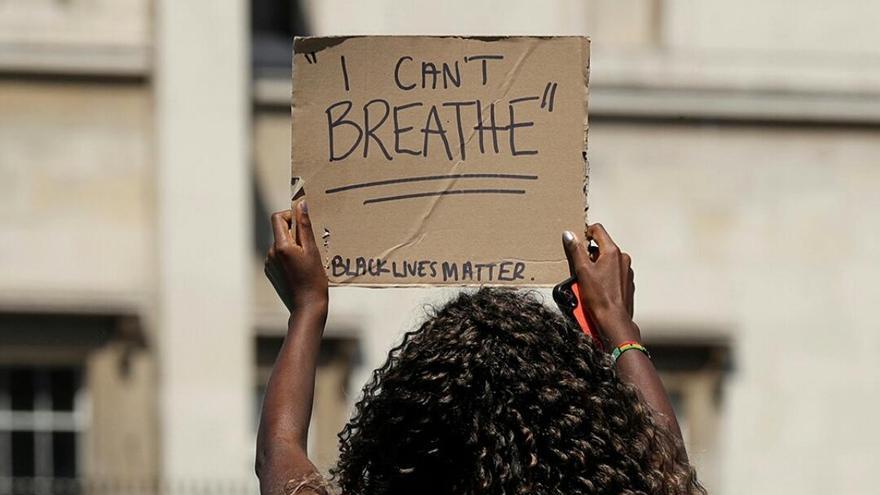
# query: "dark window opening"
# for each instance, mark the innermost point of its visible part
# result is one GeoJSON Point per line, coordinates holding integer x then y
{"type": "Point", "coordinates": [274, 23]}
{"type": "Point", "coordinates": [39, 427]}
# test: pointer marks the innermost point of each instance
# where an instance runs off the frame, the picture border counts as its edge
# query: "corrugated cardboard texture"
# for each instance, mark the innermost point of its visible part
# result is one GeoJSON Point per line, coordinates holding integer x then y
{"type": "Point", "coordinates": [441, 160]}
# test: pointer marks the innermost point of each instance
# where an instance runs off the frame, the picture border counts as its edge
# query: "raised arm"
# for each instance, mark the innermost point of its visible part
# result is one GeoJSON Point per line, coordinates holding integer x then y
{"type": "Point", "coordinates": [293, 266]}
{"type": "Point", "coordinates": [605, 280]}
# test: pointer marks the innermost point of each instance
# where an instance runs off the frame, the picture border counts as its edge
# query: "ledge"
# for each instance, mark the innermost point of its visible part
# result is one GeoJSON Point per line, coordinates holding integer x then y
{"type": "Point", "coordinates": [76, 60]}
{"type": "Point", "coordinates": [678, 103]}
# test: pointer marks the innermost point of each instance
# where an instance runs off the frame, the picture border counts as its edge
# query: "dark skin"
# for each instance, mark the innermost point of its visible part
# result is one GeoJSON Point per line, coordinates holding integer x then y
{"type": "Point", "coordinates": [606, 284]}
{"type": "Point", "coordinates": [293, 266]}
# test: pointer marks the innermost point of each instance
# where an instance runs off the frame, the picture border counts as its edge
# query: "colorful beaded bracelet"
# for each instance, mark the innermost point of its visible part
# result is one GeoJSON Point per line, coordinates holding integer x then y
{"type": "Point", "coordinates": [629, 344]}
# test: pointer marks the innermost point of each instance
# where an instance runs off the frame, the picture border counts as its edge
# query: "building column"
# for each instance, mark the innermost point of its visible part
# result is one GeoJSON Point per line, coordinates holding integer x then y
{"type": "Point", "coordinates": [203, 321]}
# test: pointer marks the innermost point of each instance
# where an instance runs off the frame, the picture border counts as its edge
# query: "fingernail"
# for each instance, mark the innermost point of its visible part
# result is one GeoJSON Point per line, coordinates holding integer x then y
{"type": "Point", "coordinates": [305, 207]}
{"type": "Point", "coordinates": [568, 237]}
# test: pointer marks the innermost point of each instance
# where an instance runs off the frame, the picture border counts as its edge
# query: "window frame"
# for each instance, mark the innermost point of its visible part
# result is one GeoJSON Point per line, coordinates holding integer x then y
{"type": "Point", "coordinates": [42, 421]}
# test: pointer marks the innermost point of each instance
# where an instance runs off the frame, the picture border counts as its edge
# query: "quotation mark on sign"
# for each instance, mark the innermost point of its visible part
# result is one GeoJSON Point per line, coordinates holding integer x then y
{"type": "Point", "coordinates": [311, 57]}
{"type": "Point", "coordinates": [549, 96]}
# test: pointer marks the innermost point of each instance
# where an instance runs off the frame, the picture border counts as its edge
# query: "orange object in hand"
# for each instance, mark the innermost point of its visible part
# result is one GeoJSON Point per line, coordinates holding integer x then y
{"type": "Point", "coordinates": [568, 298]}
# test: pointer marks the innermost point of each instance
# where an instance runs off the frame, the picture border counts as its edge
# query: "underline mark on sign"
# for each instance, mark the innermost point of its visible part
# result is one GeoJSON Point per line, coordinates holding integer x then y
{"type": "Point", "coordinates": [402, 180]}
{"type": "Point", "coordinates": [444, 193]}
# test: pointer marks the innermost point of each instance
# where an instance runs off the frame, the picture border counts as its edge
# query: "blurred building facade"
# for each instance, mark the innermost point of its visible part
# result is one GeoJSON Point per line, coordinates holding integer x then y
{"type": "Point", "coordinates": [143, 143]}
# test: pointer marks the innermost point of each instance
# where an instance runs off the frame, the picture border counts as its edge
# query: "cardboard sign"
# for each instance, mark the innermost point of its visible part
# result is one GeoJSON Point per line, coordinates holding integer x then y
{"type": "Point", "coordinates": [441, 160]}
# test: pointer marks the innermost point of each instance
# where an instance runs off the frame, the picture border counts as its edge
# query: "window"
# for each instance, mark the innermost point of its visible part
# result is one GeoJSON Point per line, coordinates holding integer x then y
{"type": "Point", "coordinates": [693, 375]}
{"type": "Point", "coordinates": [274, 23]}
{"type": "Point", "coordinates": [40, 425]}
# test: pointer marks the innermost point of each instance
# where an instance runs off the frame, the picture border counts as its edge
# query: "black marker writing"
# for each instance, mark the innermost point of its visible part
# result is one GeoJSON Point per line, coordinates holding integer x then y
{"type": "Point", "coordinates": [397, 74]}
{"type": "Point", "coordinates": [344, 72]}
{"type": "Point", "coordinates": [400, 130]}
{"type": "Point", "coordinates": [428, 270]}
{"type": "Point", "coordinates": [514, 125]}
{"type": "Point", "coordinates": [430, 75]}
{"type": "Point", "coordinates": [369, 132]}
{"type": "Point", "coordinates": [332, 124]}
{"type": "Point", "coordinates": [484, 59]}
{"type": "Point", "coordinates": [457, 105]}
{"type": "Point", "coordinates": [490, 123]}
{"type": "Point", "coordinates": [438, 130]}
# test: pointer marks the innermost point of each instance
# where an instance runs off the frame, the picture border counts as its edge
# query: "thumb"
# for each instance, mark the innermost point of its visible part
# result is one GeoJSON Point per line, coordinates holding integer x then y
{"type": "Point", "coordinates": [575, 252]}
{"type": "Point", "coordinates": [304, 234]}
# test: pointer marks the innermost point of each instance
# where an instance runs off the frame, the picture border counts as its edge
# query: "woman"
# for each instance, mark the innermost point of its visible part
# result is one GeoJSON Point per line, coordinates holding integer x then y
{"type": "Point", "coordinates": [493, 394]}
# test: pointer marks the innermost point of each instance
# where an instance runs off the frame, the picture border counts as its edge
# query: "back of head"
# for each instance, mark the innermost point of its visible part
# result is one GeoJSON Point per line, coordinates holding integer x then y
{"type": "Point", "coordinates": [497, 394]}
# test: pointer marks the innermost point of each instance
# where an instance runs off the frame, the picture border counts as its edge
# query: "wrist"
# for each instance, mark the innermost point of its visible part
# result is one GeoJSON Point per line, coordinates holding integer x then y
{"type": "Point", "coordinates": [315, 308]}
{"type": "Point", "coordinates": [313, 300]}
{"type": "Point", "coordinates": [617, 327]}
{"type": "Point", "coordinates": [629, 334]}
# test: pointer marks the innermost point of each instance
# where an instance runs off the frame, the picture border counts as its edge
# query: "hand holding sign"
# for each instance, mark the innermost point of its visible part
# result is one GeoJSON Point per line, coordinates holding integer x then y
{"type": "Point", "coordinates": [441, 160]}
{"type": "Point", "coordinates": [293, 263]}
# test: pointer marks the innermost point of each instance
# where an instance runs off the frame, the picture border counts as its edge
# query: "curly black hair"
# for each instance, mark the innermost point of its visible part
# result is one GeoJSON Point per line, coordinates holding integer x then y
{"type": "Point", "coordinates": [495, 393]}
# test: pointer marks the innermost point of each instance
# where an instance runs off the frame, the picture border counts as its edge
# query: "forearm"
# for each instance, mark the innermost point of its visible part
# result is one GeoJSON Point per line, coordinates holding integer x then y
{"type": "Point", "coordinates": [637, 369]}
{"type": "Point", "coordinates": [287, 406]}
